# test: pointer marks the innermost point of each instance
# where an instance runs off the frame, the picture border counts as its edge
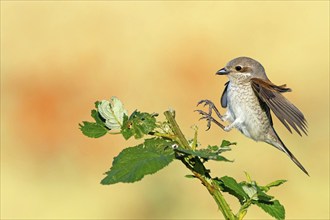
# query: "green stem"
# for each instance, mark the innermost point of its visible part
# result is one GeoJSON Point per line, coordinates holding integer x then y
{"type": "Point", "coordinates": [215, 191]}
{"type": "Point", "coordinates": [220, 200]}
{"type": "Point", "coordinates": [163, 135]}
{"type": "Point", "coordinates": [194, 143]}
{"type": "Point", "coordinates": [205, 178]}
{"type": "Point", "coordinates": [243, 210]}
{"type": "Point", "coordinates": [177, 131]}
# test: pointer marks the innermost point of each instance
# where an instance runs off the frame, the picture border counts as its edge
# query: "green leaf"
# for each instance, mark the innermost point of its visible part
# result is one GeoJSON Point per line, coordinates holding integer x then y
{"type": "Point", "coordinates": [250, 190]}
{"type": "Point", "coordinates": [190, 176]}
{"type": "Point", "coordinates": [112, 112]}
{"type": "Point", "coordinates": [273, 208]}
{"type": "Point", "coordinates": [138, 124]}
{"type": "Point", "coordinates": [213, 148]}
{"type": "Point", "coordinates": [206, 154]}
{"type": "Point", "coordinates": [263, 197]}
{"type": "Point", "coordinates": [255, 192]}
{"type": "Point", "coordinates": [229, 184]}
{"type": "Point", "coordinates": [226, 143]}
{"type": "Point", "coordinates": [225, 146]}
{"type": "Point", "coordinates": [276, 183]}
{"type": "Point", "coordinates": [97, 117]}
{"type": "Point", "coordinates": [133, 163]}
{"type": "Point", "coordinates": [93, 130]}
{"type": "Point", "coordinates": [96, 104]}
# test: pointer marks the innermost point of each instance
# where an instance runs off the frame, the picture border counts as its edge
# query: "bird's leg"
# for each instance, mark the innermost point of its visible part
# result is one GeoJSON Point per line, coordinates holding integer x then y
{"type": "Point", "coordinates": [226, 117]}
{"type": "Point", "coordinates": [235, 123]}
{"type": "Point", "coordinates": [208, 115]}
{"type": "Point", "coordinates": [209, 119]}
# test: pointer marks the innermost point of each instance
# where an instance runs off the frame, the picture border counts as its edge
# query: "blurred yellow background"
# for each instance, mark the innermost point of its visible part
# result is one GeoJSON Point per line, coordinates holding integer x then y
{"type": "Point", "coordinates": [57, 58]}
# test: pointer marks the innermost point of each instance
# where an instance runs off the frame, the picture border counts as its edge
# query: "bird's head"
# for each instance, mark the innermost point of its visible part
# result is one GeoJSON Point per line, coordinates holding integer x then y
{"type": "Point", "coordinates": [243, 69]}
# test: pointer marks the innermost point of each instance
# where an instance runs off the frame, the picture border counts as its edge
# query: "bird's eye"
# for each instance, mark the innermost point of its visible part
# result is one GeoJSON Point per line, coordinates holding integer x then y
{"type": "Point", "coordinates": [238, 68]}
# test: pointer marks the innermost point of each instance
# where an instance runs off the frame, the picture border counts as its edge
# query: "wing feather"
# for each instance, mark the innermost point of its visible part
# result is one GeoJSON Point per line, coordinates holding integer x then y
{"type": "Point", "coordinates": [284, 110]}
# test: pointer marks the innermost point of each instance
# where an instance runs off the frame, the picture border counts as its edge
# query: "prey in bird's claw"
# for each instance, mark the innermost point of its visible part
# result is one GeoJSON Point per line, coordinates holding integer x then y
{"type": "Point", "coordinates": [208, 115]}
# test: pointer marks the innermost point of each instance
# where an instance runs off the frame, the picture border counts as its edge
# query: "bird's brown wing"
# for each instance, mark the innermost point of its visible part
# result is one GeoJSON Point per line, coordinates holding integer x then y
{"type": "Point", "coordinates": [224, 96]}
{"type": "Point", "coordinates": [270, 95]}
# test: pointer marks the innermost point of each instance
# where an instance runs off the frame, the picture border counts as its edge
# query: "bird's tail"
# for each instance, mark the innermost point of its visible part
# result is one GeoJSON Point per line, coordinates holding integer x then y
{"type": "Point", "coordinates": [281, 146]}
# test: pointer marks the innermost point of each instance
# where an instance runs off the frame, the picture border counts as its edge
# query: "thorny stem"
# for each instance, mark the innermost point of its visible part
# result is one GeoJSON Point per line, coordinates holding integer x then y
{"type": "Point", "coordinates": [203, 176]}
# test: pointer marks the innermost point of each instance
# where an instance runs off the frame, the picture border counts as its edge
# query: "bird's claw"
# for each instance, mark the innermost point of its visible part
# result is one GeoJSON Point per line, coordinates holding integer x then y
{"type": "Point", "coordinates": [206, 102]}
{"type": "Point", "coordinates": [208, 115]}
{"type": "Point", "coordinates": [209, 103]}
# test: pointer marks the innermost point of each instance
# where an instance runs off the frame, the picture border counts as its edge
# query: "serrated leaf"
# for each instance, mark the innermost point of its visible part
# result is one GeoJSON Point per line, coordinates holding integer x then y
{"type": "Point", "coordinates": [207, 154]}
{"type": "Point", "coordinates": [138, 124]}
{"type": "Point", "coordinates": [263, 197]}
{"type": "Point", "coordinates": [112, 112]}
{"type": "Point", "coordinates": [126, 129]}
{"type": "Point", "coordinates": [133, 163]}
{"type": "Point", "coordinates": [93, 130]}
{"type": "Point", "coordinates": [230, 185]}
{"type": "Point", "coordinates": [273, 208]}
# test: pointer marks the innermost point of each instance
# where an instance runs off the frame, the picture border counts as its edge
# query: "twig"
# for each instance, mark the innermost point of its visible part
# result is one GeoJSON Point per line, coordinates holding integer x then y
{"type": "Point", "coordinates": [202, 173]}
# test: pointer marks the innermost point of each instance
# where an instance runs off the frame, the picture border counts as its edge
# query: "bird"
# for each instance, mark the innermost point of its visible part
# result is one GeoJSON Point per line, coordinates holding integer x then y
{"type": "Point", "coordinates": [249, 97]}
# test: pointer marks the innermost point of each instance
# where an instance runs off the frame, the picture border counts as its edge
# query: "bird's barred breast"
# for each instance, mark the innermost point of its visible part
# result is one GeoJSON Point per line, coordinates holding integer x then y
{"type": "Point", "coordinates": [244, 105]}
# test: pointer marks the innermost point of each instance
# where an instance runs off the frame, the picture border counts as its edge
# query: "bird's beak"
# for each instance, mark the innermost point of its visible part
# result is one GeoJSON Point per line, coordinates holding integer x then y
{"type": "Point", "coordinates": [222, 71]}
